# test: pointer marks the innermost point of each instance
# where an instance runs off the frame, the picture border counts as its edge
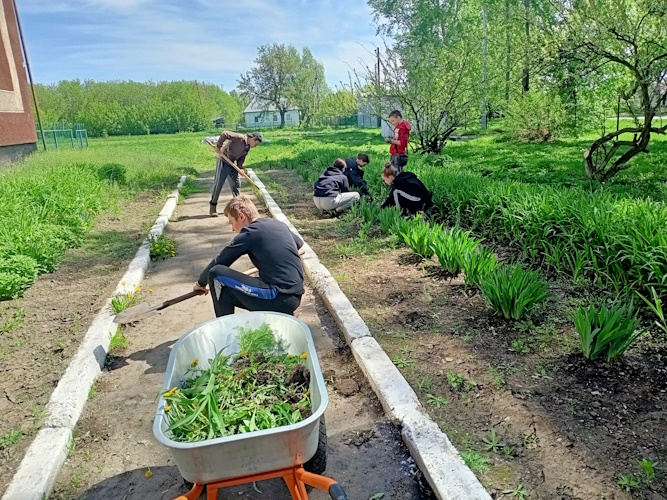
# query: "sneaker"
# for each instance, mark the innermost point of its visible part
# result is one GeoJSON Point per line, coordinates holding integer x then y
{"type": "Point", "coordinates": [212, 211]}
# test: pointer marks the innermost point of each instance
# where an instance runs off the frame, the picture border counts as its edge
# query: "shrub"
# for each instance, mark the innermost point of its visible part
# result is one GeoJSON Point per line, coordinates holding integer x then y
{"type": "Point", "coordinates": [418, 236]}
{"type": "Point", "coordinates": [607, 332]}
{"type": "Point", "coordinates": [451, 246]}
{"type": "Point", "coordinates": [477, 264]}
{"type": "Point", "coordinates": [512, 291]}
{"type": "Point", "coordinates": [536, 116]}
{"type": "Point", "coordinates": [17, 273]}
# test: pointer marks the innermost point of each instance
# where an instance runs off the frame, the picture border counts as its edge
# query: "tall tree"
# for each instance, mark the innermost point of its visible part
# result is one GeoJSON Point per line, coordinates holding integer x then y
{"type": "Point", "coordinates": [273, 77]}
{"type": "Point", "coordinates": [310, 87]}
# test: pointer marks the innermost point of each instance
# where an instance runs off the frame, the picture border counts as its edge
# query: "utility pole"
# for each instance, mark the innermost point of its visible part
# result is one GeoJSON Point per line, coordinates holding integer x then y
{"type": "Point", "coordinates": [484, 47]}
{"type": "Point", "coordinates": [27, 66]}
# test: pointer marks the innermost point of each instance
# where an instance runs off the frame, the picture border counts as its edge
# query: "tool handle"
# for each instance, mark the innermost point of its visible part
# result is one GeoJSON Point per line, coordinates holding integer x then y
{"type": "Point", "coordinates": [230, 162]}
{"type": "Point", "coordinates": [178, 299]}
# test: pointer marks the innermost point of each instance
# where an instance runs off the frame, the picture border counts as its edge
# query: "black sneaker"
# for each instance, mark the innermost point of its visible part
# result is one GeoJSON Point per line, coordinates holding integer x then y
{"type": "Point", "coordinates": [212, 211]}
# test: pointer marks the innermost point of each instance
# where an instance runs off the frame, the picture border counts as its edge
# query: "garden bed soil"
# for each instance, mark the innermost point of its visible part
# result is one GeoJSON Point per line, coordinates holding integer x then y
{"type": "Point", "coordinates": [570, 427]}
{"type": "Point", "coordinates": [40, 332]}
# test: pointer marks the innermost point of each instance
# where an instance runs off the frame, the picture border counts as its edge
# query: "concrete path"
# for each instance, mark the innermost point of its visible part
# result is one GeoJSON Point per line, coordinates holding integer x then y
{"type": "Point", "coordinates": [115, 448]}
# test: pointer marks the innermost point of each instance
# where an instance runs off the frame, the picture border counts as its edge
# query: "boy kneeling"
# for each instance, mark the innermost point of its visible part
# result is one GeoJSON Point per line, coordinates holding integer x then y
{"type": "Point", "coordinates": [407, 192]}
{"type": "Point", "coordinates": [274, 251]}
{"type": "Point", "coordinates": [332, 189]}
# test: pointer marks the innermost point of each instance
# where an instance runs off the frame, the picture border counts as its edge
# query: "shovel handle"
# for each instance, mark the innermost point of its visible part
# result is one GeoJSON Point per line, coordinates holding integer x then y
{"type": "Point", "coordinates": [230, 162]}
{"type": "Point", "coordinates": [180, 298]}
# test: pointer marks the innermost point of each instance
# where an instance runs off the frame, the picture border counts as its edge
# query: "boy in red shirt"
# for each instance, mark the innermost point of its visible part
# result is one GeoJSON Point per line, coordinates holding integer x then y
{"type": "Point", "coordinates": [399, 144]}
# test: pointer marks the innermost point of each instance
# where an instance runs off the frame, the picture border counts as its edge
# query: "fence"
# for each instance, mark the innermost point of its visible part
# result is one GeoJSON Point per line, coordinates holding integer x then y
{"type": "Point", "coordinates": [58, 136]}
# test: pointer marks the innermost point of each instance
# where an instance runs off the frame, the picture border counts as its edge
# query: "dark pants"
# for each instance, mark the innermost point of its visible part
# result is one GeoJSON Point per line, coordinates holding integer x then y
{"type": "Point", "coordinates": [231, 288]}
{"type": "Point", "coordinates": [223, 170]}
{"type": "Point", "coordinates": [356, 178]}
{"type": "Point", "coordinates": [399, 161]}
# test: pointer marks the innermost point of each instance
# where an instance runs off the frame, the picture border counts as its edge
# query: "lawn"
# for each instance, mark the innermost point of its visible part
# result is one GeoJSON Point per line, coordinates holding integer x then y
{"type": "Point", "coordinates": [506, 378]}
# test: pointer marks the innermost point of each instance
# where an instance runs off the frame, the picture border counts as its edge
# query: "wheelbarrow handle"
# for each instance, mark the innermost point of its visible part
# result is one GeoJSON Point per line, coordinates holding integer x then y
{"type": "Point", "coordinates": [336, 492]}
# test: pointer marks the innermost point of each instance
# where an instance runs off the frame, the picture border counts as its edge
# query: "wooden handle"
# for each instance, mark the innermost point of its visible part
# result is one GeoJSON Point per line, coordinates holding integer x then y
{"type": "Point", "coordinates": [230, 162]}
{"type": "Point", "coordinates": [178, 299]}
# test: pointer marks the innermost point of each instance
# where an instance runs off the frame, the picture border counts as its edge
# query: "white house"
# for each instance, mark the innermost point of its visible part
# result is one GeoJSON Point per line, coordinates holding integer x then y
{"type": "Point", "coordinates": [261, 114]}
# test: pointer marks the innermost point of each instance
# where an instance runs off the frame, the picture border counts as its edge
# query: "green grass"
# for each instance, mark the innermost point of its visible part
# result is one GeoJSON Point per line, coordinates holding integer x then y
{"type": "Point", "coordinates": [49, 201]}
{"type": "Point", "coordinates": [12, 437]}
{"type": "Point", "coordinates": [476, 462]}
{"type": "Point", "coordinates": [122, 301]}
{"type": "Point", "coordinates": [118, 340]}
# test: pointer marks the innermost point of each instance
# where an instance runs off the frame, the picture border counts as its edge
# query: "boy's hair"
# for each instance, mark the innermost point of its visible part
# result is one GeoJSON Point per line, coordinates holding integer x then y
{"type": "Point", "coordinates": [363, 157]}
{"type": "Point", "coordinates": [396, 113]}
{"type": "Point", "coordinates": [241, 205]}
{"type": "Point", "coordinates": [340, 163]}
{"type": "Point", "coordinates": [389, 170]}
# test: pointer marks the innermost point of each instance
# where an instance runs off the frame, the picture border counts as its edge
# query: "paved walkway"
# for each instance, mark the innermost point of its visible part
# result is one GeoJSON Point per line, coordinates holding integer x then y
{"type": "Point", "coordinates": [115, 445]}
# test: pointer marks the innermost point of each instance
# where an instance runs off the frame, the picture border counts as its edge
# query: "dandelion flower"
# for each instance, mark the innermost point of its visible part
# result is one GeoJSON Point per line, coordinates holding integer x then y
{"type": "Point", "coordinates": [122, 282]}
{"type": "Point", "coordinates": [149, 473]}
{"type": "Point", "coordinates": [194, 362]}
{"type": "Point", "coordinates": [167, 408]}
{"type": "Point", "coordinates": [195, 404]}
{"type": "Point", "coordinates": [130, 295]}
{"type": "Point", "coordinates": [150, 290]}
{"type": "Point", "coordinates": [303, 355]}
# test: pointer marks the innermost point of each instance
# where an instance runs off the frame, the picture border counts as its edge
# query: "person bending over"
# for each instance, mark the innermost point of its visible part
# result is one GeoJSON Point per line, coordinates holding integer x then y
{"type": "Point", "coordinates": [354, 174]}
{"type": "Point", "coordinates": [406, 192]}
{"type": "Point", "coordinates": [274, 251]}
{"type": "Point", "coordinates": [332, 189]}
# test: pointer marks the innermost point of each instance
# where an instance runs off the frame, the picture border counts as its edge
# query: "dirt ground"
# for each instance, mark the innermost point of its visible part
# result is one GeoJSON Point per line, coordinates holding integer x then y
{"type": "Point", "coordinates": [565, 428]}
{"type": "Point", "coordinates": [115, 447]}
{"type": "Point", "coordinates": [40, 332]}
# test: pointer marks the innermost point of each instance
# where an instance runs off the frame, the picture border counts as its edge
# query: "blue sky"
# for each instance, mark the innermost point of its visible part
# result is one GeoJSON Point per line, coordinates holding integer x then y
{"type": "Point", "coordinates": [205, 40]}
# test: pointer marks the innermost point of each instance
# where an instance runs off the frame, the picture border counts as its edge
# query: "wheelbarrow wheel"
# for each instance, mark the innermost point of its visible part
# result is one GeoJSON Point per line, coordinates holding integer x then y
{"type": "Point", "coordinates": [318, 464]}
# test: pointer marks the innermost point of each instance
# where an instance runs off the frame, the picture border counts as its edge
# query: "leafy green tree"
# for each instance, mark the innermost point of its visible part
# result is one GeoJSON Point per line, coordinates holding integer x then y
{"type": "Point", "coordinates": [341, 103]}
{"type": "Point", "coordinates": [310, 87]}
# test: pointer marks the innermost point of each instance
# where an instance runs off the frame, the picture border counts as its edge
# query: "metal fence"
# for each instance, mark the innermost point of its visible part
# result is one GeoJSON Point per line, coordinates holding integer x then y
{"type": "Point", "coordinates": [57, 135]}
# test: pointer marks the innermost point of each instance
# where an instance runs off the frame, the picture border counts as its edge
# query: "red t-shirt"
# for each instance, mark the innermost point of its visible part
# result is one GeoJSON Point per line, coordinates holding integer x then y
{"type": "Point", "coordinates": [402, 134]}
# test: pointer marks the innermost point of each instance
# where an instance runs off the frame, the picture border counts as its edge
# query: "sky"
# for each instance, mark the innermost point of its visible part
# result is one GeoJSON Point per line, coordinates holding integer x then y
{"type": "Point", "coordinates": [206, 40]}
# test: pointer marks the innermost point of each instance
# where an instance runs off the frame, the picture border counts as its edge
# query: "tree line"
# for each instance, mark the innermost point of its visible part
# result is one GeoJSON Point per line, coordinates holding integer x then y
{"type": "Point", "coordinates": [126, 107]}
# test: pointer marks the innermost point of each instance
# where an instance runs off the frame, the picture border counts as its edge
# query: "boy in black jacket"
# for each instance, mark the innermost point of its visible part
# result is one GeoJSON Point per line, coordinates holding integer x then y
{"type": "Point", "coordinates": [272, 248]}
{"type": "Point", "coordinates": [332, 189]}
{"type": "Point", "coordinates": [355, 175]}
{"type": "Point", "coordinates": [407, 192]}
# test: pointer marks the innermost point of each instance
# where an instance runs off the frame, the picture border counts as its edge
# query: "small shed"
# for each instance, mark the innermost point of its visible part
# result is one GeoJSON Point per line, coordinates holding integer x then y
{"type": "Point", "coordinates": [219, 122]}
{"type": "Point", "coordinates": [262, 114]}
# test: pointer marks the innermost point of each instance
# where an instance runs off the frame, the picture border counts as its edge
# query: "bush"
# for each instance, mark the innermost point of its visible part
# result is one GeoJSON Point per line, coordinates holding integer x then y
{"type": "Point", "coordinates": [512, 291]}
{"type": "Point", "coordinates": [450, 247]}
{"type": "Point", "coordinates": [112, 172]}
{"type": "Point", "coordinates": [17, 273]}
{"type": "Point", "coordinates": [607, 332]}
{"type": "Point", "coordinates": [477, 264]}
{"type": "Point", "coordinates": [536, 116]}
{"type": "Point", "coordinates": [418, 236]}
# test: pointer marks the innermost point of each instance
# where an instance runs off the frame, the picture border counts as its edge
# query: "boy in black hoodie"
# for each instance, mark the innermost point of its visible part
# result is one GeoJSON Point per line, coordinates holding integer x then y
{"type": "Point", "coordinates": [407, 192]}
{"type": "Point", "coordinates": [332, 189]}
{"type": "Point", "coordinates": [354, 173]}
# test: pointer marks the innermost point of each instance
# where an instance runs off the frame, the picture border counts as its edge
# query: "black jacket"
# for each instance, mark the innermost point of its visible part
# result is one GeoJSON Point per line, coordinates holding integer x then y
{"type": "Point", "coordinates": [355, 175]}
{"type": "Point", "coordinates": [273, 250]}
{"type": "Point", "coordinates": [409, 194]}
{"type": "Point", "coordinates": [331, 183]}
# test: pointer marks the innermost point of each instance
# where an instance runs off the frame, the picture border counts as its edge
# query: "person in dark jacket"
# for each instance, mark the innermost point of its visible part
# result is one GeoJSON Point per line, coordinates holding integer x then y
{"type": "Point", "coordinates": [406, 192]}
{"type": "Point", "coordinates": [355, 175]}
{"type": "Point", "coordinates": [272, 248]}
{"type": "Point", "coordinates": [332, 189]}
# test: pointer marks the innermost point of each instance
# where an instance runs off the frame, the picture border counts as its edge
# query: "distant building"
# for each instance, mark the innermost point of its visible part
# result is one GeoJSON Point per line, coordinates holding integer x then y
{"type": "Point", "coordinates": [262, 114]}
{"type": "Point", "coordinates": [17, 124]}
{"type": "Point", "coordinates": [219, 122]}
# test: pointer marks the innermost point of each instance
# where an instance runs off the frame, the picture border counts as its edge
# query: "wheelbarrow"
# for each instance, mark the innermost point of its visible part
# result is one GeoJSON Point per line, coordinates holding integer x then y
{"type": "Point", "coordinates": [296, 452]}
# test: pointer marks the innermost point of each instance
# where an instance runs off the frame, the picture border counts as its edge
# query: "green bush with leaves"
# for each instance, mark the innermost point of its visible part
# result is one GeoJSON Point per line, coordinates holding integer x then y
{"type": "Point", "coordinates": [17, 273]}
{"type": "Point", "coordinates": [477, 264]}
{"type": "Point", "coordinates": [451, 246]}
{"type": "Point", "coordinates": [419, 237]}
{"type": "Point", "coordinates": [513, 291]}
{"type": "Point", "coordinates": [536, 116]}
{"type": "Point", "coordinates": [606, 331]}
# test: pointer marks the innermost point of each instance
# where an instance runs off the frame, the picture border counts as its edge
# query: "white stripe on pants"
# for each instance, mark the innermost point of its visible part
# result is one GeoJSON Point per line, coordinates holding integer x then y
{"type": "Point", "coordinates": [338, 203]}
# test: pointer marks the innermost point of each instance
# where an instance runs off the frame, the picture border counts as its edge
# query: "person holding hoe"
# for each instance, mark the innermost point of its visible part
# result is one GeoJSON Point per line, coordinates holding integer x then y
{"type": "Point", "coordinates": [355, 175]}
{"type": "Point", "coordinates": [407, 192]}
{"type": "Point", "coordinates": [235, 147]}
{"type": "Point", "coordinates": [399, 143]}
{"type": "Point", "coordinates": [274, 251]}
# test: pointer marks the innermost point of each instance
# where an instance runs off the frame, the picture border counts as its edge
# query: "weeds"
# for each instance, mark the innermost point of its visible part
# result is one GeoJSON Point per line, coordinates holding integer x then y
{"type": "Point", "coordinates": [606, 332]}
{"type": "Point", "coordinates": [497, 378]}
{"type": "Point", "coordinates": [12, 437]}
{"type": "Point", "coordinates": [425, 383]}
{"type": "Point", "coordinates": [476, 462]}
{"type": "Point", "coordinates": [436, 401]}
{"type": "Point", "coordinates": [118, 340]}
{"type": "Point", "coordinates": [122, 301]}
{"type": "Point", "coordinates": [518, 492]}
{"type": "Point", "coordinates": [512, 291]}
{"type": "Point", "coordinates": [628, 482]}
{"type": "Point", "coordinates": [520, 346]}
{"type": "Point", "coordinates": [649, 469]}
{"type": "Point", "coordinates": [493, 442]}
{"type": "Point", "coordinates": [455, 380]}
{"type": "Point", "coordinates": [403, 362]}
{"type": "Point", "coordinates": [162, 248]}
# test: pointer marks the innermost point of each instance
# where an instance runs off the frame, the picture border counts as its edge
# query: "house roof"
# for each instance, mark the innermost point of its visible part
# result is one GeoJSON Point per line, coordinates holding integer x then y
{"type": "Point", "coordinates": [258, 106]}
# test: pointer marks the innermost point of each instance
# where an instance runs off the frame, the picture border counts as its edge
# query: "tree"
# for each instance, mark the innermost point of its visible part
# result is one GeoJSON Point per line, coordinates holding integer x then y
{"type": "Point", "coordinates": [339, 104]}
{"type": "Point", "coordinates": [630, 36]}
{"type": "Point", "coordinates": [309, 87]}
{"type": "Point", "coordinates": [273, 77]}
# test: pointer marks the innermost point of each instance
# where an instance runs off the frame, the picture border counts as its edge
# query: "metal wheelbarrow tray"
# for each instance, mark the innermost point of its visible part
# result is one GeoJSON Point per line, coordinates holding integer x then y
{"type": "Point", "coordinates": [255, 452]}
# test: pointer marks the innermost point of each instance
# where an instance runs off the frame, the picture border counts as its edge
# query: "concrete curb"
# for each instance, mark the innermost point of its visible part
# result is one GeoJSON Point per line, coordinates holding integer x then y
{"type": "Point", "coordinates": [42, 462]}
{"type": "Point", "coordinates": [437, 458]}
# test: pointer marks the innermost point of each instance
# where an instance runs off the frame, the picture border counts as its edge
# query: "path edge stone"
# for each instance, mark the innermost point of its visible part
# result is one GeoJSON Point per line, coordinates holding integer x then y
{"type": "Point", "coordinates": [46, 455]}
{"type": "Point", "coordinates": [431, 449]}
